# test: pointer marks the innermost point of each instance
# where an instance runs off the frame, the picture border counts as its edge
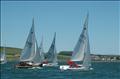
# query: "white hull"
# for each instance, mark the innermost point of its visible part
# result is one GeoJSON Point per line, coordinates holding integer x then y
{"type": "Point", "coordinates": [34, 64]}
{"type": "Point", "coordinates": [2, 61]}
{"type": "Point", "coordinates": [50, 65]}
{"type": "Point", "coordinates": [36, 68]}
{"type": "Point", "coordinates": [80, 67]}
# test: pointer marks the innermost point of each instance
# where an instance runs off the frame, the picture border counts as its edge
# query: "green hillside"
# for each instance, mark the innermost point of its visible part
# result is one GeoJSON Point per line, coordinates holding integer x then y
{"type": "Point", "coordinates": [11, 53]}
{"type": "Point", "coordinates": [14, 54]}
{"type": "Point", "coordinates": [65, 53]}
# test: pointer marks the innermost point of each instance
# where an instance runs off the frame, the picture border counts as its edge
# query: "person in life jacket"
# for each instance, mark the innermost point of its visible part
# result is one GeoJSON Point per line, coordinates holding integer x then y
{"type": "Point", "coordinates": [72, 64]}
{"type": "Point", "coordinates": [45, 62]}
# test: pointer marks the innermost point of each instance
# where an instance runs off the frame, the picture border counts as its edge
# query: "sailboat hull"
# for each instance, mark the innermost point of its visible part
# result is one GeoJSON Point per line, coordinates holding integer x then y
{"type": "Point", "coordinates": [35, 66]}
{"type": "Point", "coordinates": [50, 65]}
{"type": "Point", "coordinates": [28, 65]}
{"type": "Point", "coordinates": [80, 68]}
{"type": "Point", "coordinates": [2, 62]}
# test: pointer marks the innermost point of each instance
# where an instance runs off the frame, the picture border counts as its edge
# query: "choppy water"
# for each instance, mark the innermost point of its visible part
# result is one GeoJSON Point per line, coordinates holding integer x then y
{"type": "Point", "coordinates": [102, 70]}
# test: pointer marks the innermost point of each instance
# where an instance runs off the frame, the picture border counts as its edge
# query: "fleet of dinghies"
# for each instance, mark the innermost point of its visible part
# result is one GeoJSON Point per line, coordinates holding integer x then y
{"type": "Point", "coordinates": [34, 56]}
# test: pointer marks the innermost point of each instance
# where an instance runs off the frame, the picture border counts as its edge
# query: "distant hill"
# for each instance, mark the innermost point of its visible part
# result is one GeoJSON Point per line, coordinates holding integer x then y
{"type": "Point", "coordinates": [11, 50]}
{"type": "Point", "coordinates": [14, 54]}
{"type": "Point", "coordinates": [66, 53]}
{"type": "Point", "coordinates": [94, 57]}
{"type": "Point", "coordinates": [11, 53]}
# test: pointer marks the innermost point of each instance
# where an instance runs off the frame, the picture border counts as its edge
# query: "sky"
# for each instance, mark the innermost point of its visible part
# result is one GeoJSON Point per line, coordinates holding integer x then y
{"type": "Point", "coordinates": [66, 18]}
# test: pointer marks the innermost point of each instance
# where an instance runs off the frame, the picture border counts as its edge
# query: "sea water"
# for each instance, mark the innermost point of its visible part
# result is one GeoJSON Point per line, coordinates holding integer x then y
{"type": "Point", "coordinates": [102, 70]}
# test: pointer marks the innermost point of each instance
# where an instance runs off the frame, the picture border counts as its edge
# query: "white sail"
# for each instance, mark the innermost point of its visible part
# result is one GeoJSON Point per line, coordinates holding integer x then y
{"type": "Point", "coordinates": [52, 53]}
{"type": "Point", "coordinates": [87, 57]}
{"type": "Point", "coordinates": [2, 57]}
{"type": "Point", "coordinates": [41, 51]}
{"type": "Point", "coordinates": [37, 57]}
{"type": "Point", "coordinates": [29, 49]}
{"type": "Point", "coordinates": [80, 48]}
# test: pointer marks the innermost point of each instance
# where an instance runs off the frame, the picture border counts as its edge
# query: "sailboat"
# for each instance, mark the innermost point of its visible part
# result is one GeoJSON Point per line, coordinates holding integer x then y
{"type": "Point", "coordinates": [3, 56]}
{"type": "Point", "coordinates": [51, 56]}
{"type": "Point", "coordinates": [81, 52]}
{"type": "Point", "coordinates": [30, 55]}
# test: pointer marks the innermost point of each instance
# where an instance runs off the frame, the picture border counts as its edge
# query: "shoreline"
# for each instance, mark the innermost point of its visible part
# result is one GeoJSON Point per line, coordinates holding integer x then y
{"type": "Point", "coordinates": [17, 60]}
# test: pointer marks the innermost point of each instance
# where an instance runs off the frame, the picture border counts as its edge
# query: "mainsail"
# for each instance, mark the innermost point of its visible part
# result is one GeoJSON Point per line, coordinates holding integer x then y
{"type": "Point", "coordinates": [41, 51]}
{"type": "Point", "coordinates": [82, 49]}
{"type": "Point", "coordinates": [30, 46]}
{"type": "Point", "coordinates": [52, 53]}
